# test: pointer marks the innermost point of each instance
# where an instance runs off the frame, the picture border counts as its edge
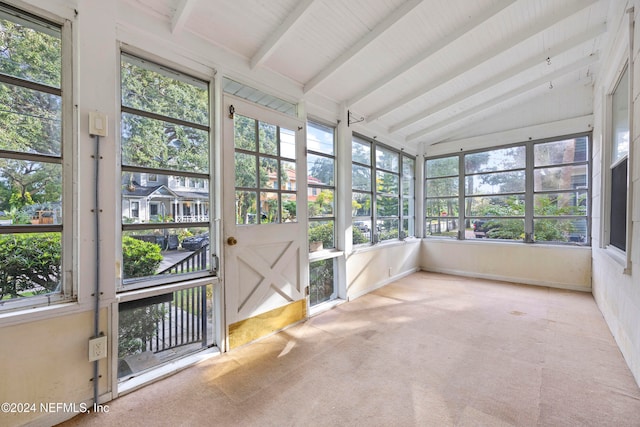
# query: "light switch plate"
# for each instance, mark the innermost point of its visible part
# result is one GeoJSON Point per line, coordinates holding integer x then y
{"type": "Point", "coordinates": [98, 123]}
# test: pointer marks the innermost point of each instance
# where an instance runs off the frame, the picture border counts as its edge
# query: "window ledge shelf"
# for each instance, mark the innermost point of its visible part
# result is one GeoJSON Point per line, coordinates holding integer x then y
{"type": "Point", "coordinates": [326, 254]}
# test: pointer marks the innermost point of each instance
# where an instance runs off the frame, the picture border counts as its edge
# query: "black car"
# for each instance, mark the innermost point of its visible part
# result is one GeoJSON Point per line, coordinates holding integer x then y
{"type": "Point", "coordinates": [480, 228]}
{"type": "Point", "coordinates": [194, 243]}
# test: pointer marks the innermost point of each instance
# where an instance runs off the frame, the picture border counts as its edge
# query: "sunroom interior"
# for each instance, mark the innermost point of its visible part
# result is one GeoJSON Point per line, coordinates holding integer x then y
{"type": "Point", "coordinates": [150, 150]}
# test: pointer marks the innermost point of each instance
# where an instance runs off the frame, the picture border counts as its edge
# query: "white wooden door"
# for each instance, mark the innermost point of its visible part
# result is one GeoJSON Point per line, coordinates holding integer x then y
{"type": "Point", "coordinates": [264, 211]}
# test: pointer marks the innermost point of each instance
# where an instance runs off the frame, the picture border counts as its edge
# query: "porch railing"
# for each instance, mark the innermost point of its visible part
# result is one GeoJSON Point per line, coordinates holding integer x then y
{"type": "Point", "coordinates": [197, 261]}
{"type": "Point", "coordinates": [184, 322]}
{"type": "Point", "coordinates": [192, 218]}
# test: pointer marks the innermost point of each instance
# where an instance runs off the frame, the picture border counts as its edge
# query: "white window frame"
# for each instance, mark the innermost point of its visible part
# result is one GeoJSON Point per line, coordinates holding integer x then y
{"type": "Point", "coordinates": [69, 263]}
{"type": "Point", "coordinates": [147, 285]}
{"type": "Point", "coordinates": [623, 257]}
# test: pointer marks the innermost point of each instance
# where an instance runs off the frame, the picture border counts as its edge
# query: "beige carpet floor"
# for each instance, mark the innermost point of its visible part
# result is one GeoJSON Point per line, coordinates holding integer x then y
{"type": "Point", "coordinates": [427, 350]}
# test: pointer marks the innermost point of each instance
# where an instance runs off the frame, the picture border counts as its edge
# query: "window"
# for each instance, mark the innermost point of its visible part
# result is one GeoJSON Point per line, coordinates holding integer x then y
{"type": "Point", "coordinates": [33, 183]}
{"type": "Point", "coordinates": [494, 189]}
{"type": "Point", "coordinates": [561, 191]}
{"type": "Point", "coordinates": [408, 196]}
{"type": "Point", "coordinates": [442, 204]}
{"type": "Point", "coordinates": [165, 135]}
{"type": "Point", "coordinates": [532, 192]}
{"type": "Point", "coordinates": [382, 186]}
{"type": "Point", "coordinates": [619, 163]}
{"type": "Point", "coordinates": [265, 172]}
{"type": "Point", "coordinates": [362, 191]}
{"type": "Point", "coordinates": [321, 173]}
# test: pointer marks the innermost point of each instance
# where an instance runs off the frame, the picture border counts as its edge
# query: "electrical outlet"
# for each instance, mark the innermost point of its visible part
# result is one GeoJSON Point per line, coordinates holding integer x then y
{"type": "Point", "coordinates": [97, 348]}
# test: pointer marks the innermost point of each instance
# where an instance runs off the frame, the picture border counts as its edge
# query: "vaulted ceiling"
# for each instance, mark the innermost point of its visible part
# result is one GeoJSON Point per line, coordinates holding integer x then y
{"type": "Point", "coordinates": [417, 71]}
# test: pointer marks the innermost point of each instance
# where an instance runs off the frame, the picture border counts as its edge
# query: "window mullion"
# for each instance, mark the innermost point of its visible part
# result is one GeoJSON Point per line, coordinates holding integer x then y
{"type": "Point", "coordinates": [528, 197]}
{"type": "Point", "coordinates": [461, 198]}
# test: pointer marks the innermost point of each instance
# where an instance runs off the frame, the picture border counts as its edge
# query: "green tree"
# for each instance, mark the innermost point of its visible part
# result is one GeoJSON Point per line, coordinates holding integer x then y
{"type": "Point", "coordinates": [254, 171]}
{"type": "Point", "coordinates": [30, 120]}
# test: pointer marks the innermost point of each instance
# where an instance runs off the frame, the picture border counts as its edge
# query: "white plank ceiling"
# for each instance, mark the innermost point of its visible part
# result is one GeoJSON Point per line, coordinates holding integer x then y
{"type": "Point", "coordinates": [417, 71]}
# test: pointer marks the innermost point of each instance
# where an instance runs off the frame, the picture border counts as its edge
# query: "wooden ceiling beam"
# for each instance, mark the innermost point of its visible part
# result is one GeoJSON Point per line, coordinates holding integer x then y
{"type": "Point", "coordinates": [540, 26]}
{"type": "Point", "coordinates": [439, 45]}
{"type": "Point", "coordinates": [273, 41]}
{"type": "Point", "coordinates": [504, 97]}
{"type": "Point", "coordinates": [500, 77]}
{"type": "Point", "coordinates": [183, 10]}
{"type": "Point", "coordinates": [372, 35]}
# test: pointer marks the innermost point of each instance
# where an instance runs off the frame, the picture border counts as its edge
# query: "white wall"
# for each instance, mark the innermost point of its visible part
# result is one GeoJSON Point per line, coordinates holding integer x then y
{"type": "Point", "coordinates": [373, 267]}
{"type": "Point", "coordinates": [618, 293]}
{"type": "Point", "coordinates": [546, 265]}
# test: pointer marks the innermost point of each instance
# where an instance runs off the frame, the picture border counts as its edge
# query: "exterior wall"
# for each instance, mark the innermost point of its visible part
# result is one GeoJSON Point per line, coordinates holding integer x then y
{"type": "Point", "coordinates": [546, 265]}
{"type": "Point", "coordinates": [618, 293]}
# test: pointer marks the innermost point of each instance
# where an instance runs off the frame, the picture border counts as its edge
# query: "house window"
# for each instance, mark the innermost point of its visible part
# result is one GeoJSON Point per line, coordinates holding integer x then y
{"type": "Point", "coordinates": [165, 133]}
{"type": "Point", "coordinates": [494, 189]}
{"type": "Point", "coordinates": [382, 192]}
{"type": "Point", "coordinates": [408, 185]}
{"type": "Point", "coordinates": [34, 185]}
{"type": "Point", "coordinates": [442, 203]}
{"type": "Point", "coordinates": [361, 191]}
{"type": "Point", "coordinates": [538, 191]}
{"type": "Point", "coordinates": [135, 209]}
{"type": "Point", "coordinates": [321, 173]}
{"type": "Point", "coordinates": [619, 186]}
{"type": "Point", "coordinates": [561, 190]}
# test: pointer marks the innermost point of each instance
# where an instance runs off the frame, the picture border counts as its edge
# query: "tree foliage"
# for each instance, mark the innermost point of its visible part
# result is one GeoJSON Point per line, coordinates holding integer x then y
{"type": "Point", "coordinates": [139, 259]}
{"type": "Point", "coordinates": [154, 143]}
{"type": "Point", "coordinates": [30, 120]}
{"type": "Point", "coordinates": [31, 264]}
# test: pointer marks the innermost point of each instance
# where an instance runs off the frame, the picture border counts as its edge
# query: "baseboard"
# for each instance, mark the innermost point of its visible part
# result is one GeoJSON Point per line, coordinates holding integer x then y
{"type": "Point", "coordinates": [500, 278]}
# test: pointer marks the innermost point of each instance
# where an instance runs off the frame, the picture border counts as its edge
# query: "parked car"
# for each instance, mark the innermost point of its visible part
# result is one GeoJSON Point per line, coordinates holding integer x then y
{"type": "Point", "coordinates": [194, 243]}
{"type": "Point", "coordinates": [480, 228]}
{"type": "Point", "coordinates": [361, 226]}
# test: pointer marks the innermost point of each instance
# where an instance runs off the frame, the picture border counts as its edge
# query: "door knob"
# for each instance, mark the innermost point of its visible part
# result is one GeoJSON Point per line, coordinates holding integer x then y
{"type": "Point", "coordinates": [231, 241]}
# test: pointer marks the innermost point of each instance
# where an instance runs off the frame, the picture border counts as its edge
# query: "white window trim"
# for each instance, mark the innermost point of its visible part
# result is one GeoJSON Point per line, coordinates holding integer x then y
{"type": "Point", "coordinates": [623, 258]}
{"type": "Point", "coordinates": [69, 149]}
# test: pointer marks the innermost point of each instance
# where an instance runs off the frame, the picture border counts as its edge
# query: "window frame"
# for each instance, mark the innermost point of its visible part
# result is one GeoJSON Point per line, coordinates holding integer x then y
{"type": "Point", "coordinates": [609, 163]}
{"type": "Point", "coordinates": [528, 194]}
{"type": "Point", "coordinates": [374, 192]}
{"type": "Point", "coordinates": [313, 187]}
{"type": "Point", "coordinates": [180, 176]}
{"type": "Point", "coordinates": [68, 288]}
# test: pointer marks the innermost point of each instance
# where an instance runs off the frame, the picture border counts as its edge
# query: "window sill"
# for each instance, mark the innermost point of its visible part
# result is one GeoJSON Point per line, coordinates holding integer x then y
{"type": "Point", "coordinates": [325, 306]}
{"type": "Point", "coordinates": [135, 294]}
{"type": "Point", "coordinates": [325, 254]}
{"type": "Point", "coordinates": [166, 370]}
{"type": "Point", "coordinates": [619, 257]}
{"type": "Point", "coordinates": [34, 314]}
{"type": "Point", "coordinates": [385, 244]}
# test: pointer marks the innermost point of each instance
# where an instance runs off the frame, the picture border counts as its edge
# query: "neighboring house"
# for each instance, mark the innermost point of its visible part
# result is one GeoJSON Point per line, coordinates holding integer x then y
{"type": "Point", "coordinates": [162, 198]}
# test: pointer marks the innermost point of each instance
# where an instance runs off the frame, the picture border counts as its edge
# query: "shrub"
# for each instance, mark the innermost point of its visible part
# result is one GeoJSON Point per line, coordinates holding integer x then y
{"type": "Point", "coordinates": [322, 233]}
{"type": "Point", "coordinates": [358, 236]}
{"type": "Point", "coordinates": [31, 264]}
{"type": "Point", "coordinates": [139, 258]}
